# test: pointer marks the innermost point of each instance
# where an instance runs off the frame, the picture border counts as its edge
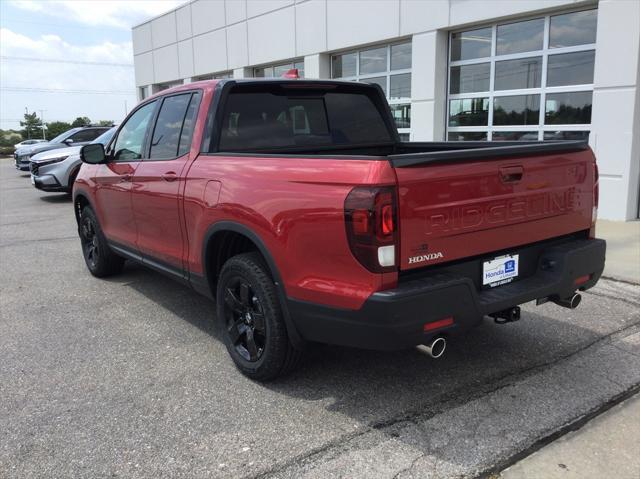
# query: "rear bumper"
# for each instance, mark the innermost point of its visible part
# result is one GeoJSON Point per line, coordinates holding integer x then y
{"type": "Point", "coordinates": [394, 319]}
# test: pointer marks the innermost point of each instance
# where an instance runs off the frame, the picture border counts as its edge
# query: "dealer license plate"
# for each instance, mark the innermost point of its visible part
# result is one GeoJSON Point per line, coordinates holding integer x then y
{"type": "Point", "coordinates": [501, 270]}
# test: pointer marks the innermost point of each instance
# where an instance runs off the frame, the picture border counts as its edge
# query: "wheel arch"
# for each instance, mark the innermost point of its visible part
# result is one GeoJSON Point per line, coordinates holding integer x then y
{"type": "Point", "coordinates": [80, 200]}
{"type": "Point", "coordinates": [228, 238]}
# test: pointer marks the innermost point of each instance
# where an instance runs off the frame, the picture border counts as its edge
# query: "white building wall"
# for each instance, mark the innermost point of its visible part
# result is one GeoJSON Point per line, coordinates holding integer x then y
{"type": "Point", "coordinates": [211, 36]}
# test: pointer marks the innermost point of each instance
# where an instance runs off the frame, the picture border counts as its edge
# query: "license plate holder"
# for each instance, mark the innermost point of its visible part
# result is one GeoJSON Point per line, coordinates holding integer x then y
{"type": "Point", "coordinates": [500, 270]}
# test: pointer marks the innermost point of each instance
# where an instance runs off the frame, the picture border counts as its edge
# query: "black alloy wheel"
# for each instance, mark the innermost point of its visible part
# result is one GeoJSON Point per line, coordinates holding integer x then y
{"type": "Point", "coordinates": [252, 320]}
{"type": "Point", "coordinates": [90, 241]}
{"type": "Point", "coordinates": [244, 319]}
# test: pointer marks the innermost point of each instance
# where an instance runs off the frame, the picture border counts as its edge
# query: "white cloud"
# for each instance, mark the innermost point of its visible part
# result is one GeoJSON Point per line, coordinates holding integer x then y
{"type": "Point", "coordinates": [56, 74]}
{"type": "Point", "coordinates": [53, 47]}
{"type": "Point", "coordinates": [114, 13]}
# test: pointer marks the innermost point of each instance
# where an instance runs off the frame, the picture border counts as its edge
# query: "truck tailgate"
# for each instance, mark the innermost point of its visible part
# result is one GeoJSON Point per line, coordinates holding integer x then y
{"type": "Point", "coordinates": [460, 208]}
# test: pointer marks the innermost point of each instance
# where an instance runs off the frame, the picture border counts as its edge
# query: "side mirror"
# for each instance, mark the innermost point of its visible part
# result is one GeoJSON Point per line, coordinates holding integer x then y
{"type": "Point", "coordinates": [68, 141]}
{"type": "Point", "coordinates": [93, 153]}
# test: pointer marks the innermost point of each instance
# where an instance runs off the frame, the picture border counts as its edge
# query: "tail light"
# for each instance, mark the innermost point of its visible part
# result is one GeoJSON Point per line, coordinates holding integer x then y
{"type": "Point", "coordinates": [596, 199]}
{"type": "Point", "coordinates": [372, 227]}
{"type": "Point", "coordinates": [596, 191]}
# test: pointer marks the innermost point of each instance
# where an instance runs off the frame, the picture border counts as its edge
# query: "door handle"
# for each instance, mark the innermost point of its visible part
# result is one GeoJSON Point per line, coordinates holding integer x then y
{"type": "Point", "coordinates": [170, 176]}
{"type": "Point", "coordinates": [511, 174]}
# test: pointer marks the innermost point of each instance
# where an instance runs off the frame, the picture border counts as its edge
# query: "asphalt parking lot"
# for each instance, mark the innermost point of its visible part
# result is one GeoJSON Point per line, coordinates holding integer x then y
{"type": "Point", "coordinates": [128, 377]}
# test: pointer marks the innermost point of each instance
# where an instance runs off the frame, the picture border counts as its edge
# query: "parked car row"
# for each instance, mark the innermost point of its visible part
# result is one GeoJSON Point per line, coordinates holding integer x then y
{"type": "Point", "coordinates": [54, 165]}
{"type": "Point", "coordinates": [74, 136]}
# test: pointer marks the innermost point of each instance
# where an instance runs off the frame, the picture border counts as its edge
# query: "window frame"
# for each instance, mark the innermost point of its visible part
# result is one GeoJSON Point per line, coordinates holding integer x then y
{"type": "Point", "coordinates": [388, 73]}
{"type": "Point", "coordinates": [542, 91]}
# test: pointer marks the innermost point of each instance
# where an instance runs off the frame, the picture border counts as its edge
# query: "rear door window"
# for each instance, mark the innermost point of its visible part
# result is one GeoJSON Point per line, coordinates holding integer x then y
{"type": "Point", "coordinates": [166, 133]}
{"type": "Point", "coordinates": [263, 120]}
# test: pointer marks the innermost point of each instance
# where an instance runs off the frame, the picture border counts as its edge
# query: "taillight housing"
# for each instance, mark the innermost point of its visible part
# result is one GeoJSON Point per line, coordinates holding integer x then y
{"type": "Point", "coordinates": [371, 220]}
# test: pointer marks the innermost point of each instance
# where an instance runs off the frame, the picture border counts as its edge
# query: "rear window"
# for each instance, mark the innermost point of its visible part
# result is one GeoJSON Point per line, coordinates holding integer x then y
{"type": "Point", "coordinates": [284, 118]}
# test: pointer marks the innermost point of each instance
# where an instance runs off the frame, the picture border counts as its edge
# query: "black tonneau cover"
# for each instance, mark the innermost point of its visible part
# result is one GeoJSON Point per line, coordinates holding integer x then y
{"type": "Point", "coordinates": [452, 151]}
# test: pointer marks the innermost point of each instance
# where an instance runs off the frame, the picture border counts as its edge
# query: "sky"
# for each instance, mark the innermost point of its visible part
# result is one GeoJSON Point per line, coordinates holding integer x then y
{"type": "Point", "coordinates": [69, 58]}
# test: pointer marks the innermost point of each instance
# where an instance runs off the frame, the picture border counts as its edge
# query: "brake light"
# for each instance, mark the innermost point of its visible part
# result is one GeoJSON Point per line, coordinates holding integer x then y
{"type": "Point", "coordinates": [370, 220]}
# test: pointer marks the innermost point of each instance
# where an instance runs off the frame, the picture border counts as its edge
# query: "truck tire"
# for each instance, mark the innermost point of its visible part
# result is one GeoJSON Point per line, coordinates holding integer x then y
{"type": "Point", "coordinates": [252, 322]}
{"type": "Point", "coordinates": [99, 258]}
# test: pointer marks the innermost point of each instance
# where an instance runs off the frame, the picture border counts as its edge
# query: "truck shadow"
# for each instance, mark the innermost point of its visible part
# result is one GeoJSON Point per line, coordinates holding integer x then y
{"type": "Point", "coordinates": [380, 389]}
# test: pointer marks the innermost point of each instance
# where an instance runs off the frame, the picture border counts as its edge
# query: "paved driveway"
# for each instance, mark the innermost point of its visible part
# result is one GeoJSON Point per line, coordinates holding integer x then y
{"type": "Point", "coordinates": [128, 377]}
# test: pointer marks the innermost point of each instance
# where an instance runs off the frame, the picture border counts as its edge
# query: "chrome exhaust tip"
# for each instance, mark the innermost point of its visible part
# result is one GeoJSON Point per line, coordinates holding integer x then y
{"type": "Point", "coordinates": [570, 302]}
{"type": "Point", "coordinates": [435, 348]}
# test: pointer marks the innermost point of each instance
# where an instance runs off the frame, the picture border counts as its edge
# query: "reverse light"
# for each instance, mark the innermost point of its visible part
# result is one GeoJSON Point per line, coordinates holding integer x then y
{"type": "Point", "coordinates": [370, 221]}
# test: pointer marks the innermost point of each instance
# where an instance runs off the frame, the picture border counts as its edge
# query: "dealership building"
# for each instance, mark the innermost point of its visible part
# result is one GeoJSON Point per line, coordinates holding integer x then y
{"type": "Point", "coordinates": [451, 69]}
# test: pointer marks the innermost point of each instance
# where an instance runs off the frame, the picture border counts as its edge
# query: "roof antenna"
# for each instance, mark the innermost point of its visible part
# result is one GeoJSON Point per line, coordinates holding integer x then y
{"type": "Point", "coordinates": [292, 73]}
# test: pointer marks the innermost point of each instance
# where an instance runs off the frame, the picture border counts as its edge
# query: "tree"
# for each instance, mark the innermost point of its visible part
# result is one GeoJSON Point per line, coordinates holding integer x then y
{"type": "Point", "coordinates": [32, 126]}
{"type": "Point", "coordinates": [81, 121]}
{"type": "Point", "coordinates": [55, 128]}
{"type": "Point", "coordinates": [105, 123]}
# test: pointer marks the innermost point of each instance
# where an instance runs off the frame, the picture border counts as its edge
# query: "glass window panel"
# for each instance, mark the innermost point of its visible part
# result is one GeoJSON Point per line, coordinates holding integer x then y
{"type": "Point", "coordinates": [382, 81]}
{"type": "Point", "coordinates": [470, 78]}
{"type": "Point", "coordinates": [166, 134]}
{"type": "Point", "coordinates": [400, 86]}
{"type": "Point", "coordinates": [577, 28]}
{"type": "Point", "coordinates": [568, 108]}
{"type": "Point", "coordinates": [401, 56]}
{"type": "Point", "coordinates": [344, 65]}
{"type": "Point", "coordinates": [128, 144]}
{"type": "Point", "coordinates": [516, 110]}
{"type": "Point", "coordinates": [189, 123]}
{"type": "Point", "coordinates": [404, 136]}
{"type": "Point", "coordinates": [469, 112]}
{"type": "Point", "coordinates": [516, 74]}
{"type": "Point", "coordinates": [471, 44]}
{"type": "Point", "coordinates": [520, 37]}
{"type": "Point", "coordinates": [566, 135]}
{"type": "Point", "coordinates": [571, 68]}
{"type": "Point", "coordinates": [514, 136]}
{"type": "Point", "coordinates": [373, 61]}
{"type": "Point", "coordinates": [467, 136]}
{"type": "Point", "coordinates": [300, 66]}
{"type": "Point", "coordinates": [402, 115]}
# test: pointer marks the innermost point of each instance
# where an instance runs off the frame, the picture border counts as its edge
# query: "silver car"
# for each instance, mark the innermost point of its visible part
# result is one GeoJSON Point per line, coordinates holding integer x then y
{"type": "Point", "coordinates": [56, 170]}
{"type": "Point", "coordinates": [74, 136]}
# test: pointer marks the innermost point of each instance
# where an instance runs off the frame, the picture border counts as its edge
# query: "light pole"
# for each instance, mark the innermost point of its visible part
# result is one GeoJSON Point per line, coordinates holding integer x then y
{"type": "Point", "coordinates": [44, 136]}
{"type": "Point", "coordinates": [26, 112]}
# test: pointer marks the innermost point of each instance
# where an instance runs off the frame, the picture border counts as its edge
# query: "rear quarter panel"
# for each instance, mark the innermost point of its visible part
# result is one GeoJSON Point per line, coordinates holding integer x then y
{"type": "Point", "coordinates": [296, 207]}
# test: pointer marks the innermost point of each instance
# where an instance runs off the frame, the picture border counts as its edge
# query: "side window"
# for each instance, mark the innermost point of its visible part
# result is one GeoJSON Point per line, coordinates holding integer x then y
{"type": "Point", "coordinates": [86, 135]}
{"type": "Point", "coordinates": [189, 125]}
{"type": "Point", "coordinates": [128, 145]}
{"type": "Point", "coordinates": [168, 128]}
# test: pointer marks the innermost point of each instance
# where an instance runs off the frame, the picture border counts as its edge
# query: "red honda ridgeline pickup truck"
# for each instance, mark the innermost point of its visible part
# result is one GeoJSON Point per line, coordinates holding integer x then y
{"type": "Point", "coordinates": [295, 205]}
